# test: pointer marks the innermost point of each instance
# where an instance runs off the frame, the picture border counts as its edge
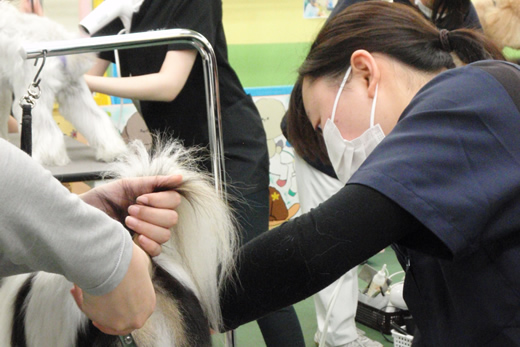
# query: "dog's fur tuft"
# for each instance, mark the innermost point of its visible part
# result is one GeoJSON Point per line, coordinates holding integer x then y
{"type": "Point", "coordinates": [61, 80]}
{"type": "Point", "coordinates": [187, 275]}
{"type": "Point", "coordinates": [202, 238]}
{"type": "Point", "coordinates": [500, 20]}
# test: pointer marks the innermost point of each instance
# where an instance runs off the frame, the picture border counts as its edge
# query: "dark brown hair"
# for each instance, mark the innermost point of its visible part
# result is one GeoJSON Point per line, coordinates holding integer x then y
{"type": "Point", "coordinates": [306, 141]}
{"type": "Point", "coordinates": [395, 30]}
{"type": "Point", "coordinates": [450, 14]}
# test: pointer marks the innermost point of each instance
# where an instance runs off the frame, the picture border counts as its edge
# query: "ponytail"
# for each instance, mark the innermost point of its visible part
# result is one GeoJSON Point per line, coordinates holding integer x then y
{"type": "Point", "coordinates": [395, 30]}
{"type": "Point", "coordinates": [470, 46]}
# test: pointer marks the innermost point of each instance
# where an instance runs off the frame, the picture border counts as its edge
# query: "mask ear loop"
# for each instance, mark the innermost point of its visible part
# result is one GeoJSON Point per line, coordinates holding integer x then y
{"type": "Point", "coordinates": [373, 111]}
{"type": "Point", "coordinates": [339, 93]}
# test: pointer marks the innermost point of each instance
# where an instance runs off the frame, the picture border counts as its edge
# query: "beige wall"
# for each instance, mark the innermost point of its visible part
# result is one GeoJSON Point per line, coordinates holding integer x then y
{"type": "Point", "coordinates": [267, 21]}
{"type": "Point", "coordinates": [246, 21]}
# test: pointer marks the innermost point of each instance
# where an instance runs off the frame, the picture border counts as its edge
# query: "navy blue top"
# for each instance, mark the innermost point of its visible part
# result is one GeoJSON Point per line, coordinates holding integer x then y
{"type": "Point", "coordinates": [453, 162]}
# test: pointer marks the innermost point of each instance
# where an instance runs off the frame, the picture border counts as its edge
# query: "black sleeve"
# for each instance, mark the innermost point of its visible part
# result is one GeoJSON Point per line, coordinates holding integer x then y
{"type": "Point", "coordinates": [343, 4]}
{"type": "Point", "coordinates": [202, 16]}
{"type": "Point", "coordinates": [471, 19]}
{"type": "Point", "coordinates": [301, 257]}
{"type": "Point", "coordinates": [112, 28]}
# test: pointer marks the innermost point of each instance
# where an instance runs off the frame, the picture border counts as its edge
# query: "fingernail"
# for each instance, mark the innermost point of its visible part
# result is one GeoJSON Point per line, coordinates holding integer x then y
{"type": "Point", "coordinates": [142, 200]}
{"type": "Point", "coordinates": [131, 222]}
{"type": "Point", "coordinates": [142, 240]}
{"type": "Point", "coordinates": [133, 209]}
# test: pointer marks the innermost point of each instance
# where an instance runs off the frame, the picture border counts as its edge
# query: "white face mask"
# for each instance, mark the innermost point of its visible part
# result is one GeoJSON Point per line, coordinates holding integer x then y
{"type": "Point", "coordinates": [347, 156]}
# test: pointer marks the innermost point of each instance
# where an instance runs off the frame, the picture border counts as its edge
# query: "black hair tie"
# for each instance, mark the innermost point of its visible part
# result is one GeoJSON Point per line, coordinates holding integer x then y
{"type": "Point", "coordinates": [445, 40]}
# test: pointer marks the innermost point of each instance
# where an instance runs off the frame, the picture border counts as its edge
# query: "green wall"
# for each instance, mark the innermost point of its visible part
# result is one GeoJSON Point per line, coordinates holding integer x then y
{"type": "Point", "coordinates": [267, 40]}
{"type": "Point", "coordinates": [263, 65]}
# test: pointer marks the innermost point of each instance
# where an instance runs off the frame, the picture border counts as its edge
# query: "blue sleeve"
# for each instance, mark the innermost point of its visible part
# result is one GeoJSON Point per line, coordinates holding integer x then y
{"type": "Point", "coordinates": [453, 160]}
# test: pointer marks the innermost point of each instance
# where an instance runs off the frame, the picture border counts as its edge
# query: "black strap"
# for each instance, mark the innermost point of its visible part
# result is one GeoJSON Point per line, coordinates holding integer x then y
{"type": "Point", "coordinates": [507, 74]}
{"type": "Point", "coordinates": [26, 138]}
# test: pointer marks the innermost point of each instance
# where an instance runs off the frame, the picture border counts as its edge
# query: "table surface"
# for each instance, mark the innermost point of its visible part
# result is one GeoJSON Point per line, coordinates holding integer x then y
{"type": "Point", "coordinates": [83, 165]}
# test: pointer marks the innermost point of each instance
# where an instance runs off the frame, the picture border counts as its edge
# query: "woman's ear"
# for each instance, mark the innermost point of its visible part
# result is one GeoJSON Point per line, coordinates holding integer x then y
{"type": "Point", "coordinates": [364, 65]}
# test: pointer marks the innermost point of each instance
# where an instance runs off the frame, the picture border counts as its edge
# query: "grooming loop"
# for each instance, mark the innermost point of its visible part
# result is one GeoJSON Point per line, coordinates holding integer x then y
{"type": "Point", "coordinates": [27, 103]}
{"type": "Point", "coordinates": [34, 90]}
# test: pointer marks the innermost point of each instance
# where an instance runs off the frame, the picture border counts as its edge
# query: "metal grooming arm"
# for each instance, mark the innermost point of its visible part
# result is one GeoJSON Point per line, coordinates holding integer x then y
{"type": "Point", "coordinates": [156, 38]}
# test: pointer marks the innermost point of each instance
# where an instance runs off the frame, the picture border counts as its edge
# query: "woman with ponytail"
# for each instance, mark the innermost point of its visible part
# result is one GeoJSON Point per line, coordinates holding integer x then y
{"type": "Point", "coordinates": [313, 168]}
{"type": "Point", "coordinates": [443, 186]}
{"type": "Point", "coordinates": [449, 15]}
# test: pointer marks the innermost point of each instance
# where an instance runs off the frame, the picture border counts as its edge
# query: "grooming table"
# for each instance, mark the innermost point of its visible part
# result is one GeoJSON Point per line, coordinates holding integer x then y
{"type": "Point", "coordinates": [83, 165]}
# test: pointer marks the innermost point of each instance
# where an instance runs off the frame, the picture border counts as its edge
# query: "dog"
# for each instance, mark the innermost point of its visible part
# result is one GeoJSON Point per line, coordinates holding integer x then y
{"type": "Point", "coordinates": [37, 309]}
{"type": "Point", "coordinates": [61, 80]}
{"type": "Point", "coordinates": [500, 20]}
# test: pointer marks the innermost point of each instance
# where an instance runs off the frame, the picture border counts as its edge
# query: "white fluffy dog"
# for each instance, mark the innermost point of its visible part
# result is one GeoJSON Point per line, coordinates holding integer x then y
{"type": "Point", "coordinates": [37, 310]}
{"type": "Point", "coordinates": [500, 20]}
{"type": "Point", "coordinates": [61, 80]}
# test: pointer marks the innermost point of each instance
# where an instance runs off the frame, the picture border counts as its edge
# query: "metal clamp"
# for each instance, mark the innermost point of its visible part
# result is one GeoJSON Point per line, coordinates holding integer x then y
{"type": "Point", "coordinates": [127, 341]}
{"type": "Point", "coordinates": [34, 91]}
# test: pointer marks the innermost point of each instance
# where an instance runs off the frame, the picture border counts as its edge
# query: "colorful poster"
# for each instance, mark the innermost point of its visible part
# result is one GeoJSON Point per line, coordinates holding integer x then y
{"type": "Point", "coordinates": [318, 8]}
{"type": "Point", "coordinates": [283, 191]}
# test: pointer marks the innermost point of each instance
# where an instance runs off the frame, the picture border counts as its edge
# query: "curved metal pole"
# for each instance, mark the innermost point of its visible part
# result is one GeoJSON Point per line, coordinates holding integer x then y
{"type": "Point", "coordinates": [156, 38]}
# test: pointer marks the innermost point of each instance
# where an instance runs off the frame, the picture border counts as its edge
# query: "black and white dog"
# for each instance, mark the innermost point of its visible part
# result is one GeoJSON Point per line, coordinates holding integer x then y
{"type": "Point", "coordinates": [37, 309]}
{"type": "Point", "coordinates": [61, 80]}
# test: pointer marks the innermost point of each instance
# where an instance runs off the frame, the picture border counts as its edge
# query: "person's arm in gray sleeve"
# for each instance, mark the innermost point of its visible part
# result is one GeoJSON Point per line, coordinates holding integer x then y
{"type": "Point", "coordinates": [45, 227]}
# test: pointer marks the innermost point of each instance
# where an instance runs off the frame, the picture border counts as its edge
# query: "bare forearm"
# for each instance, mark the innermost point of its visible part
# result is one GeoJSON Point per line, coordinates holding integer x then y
{"type": "Point", "coordinates": [164, 85]}
{"type": "Point", "coordinates": [147, 87]}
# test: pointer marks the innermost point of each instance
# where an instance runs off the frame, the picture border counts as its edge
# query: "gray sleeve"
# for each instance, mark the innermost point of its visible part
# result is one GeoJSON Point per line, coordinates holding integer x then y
{"type": "Point", "coordinates": [45, 227]}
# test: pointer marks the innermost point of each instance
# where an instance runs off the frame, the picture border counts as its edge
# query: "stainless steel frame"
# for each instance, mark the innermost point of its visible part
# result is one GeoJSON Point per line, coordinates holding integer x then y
{"type": "Point", "coordinates": [155, 38]}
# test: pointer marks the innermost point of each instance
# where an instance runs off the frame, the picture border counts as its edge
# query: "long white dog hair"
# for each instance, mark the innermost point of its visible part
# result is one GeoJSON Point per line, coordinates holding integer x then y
{"type": "Point", "coordinates": [38, 309]}
{"type": "Point", "coordinates": [61, 80]}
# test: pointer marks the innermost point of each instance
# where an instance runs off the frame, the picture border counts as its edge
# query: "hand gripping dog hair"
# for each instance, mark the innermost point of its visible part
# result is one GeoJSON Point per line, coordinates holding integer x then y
{"type": "Point", "coordinates": [37, 309]}
{"type": "Point", "coordinates": [61, 80]}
